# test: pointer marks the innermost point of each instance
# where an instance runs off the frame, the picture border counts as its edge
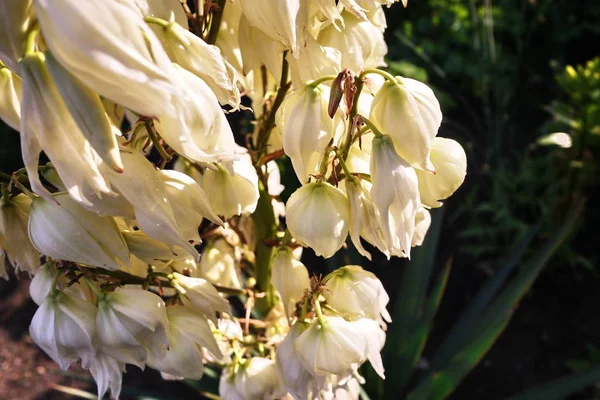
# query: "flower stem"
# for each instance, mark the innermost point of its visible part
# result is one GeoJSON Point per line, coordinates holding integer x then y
{"type": "Point", "coordinates": [386, 75]}
{"type": "Point", "coordinates": [372, 127]}
{"type": "Point", "coordinates": [156, 140]}
{"type": "Point", "coordinates": [318, 310]}
{"type": "Point", "coordinates": [158, 21]}
{"type": "Point", "coordinates": [30, 42]}
{"type": "Point", "coordinates": [317, 82]}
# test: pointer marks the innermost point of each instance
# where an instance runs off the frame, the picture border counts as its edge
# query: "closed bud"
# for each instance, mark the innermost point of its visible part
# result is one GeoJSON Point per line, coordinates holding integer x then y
{"type": "Point", "coordinates": [318, 216]}
{"type": "Point", "coordinates": [130, 68]}
{"type": "Point", "coordinates": [11, 93]}
{"type": "Point", "coordinates": [64, 327]}
{"type": "Point", "coordinates": [130, 323]}
{"type": "Point", "coordinates": [200, 295]}
{"type": "Point", "coordinates": [422, 224]}
{"type": "Point", "coordinates": [408, 111]}
{"type": "Point", "coordinates": [66, 231]}
{"type": "Point", "coordinates": [450, 162]}
{"type": "Point", "coordinates": [14, 237]}
{"type": "Point", "coordinates": [352, 291]}
{"type": "Point", "coordinates": [290, 278]}
{"type": "Point", "coordinates": [395, 194]}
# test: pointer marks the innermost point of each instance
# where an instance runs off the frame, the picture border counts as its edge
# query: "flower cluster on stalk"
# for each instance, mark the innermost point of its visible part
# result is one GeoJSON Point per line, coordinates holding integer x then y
{"type": "Point", "coordinates": [149, 217]}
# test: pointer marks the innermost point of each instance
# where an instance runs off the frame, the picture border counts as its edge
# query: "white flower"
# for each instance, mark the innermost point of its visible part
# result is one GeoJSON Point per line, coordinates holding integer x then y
{"type": "Point", "coordinates": [46, 124]}
{"type": "Point", "coordinates": [64, 327]}
{"type": "Point", "coordinates": [169, 10]}
{"type": "Point", "coordinates": [408, 111]}
{"type": "Point", "coordinates": [112, 51]}
{"type": "Point", "coordinates": [290, 278]}
{"type": "Point", "coordinates": [108, 374]}
{"type": "Point", "coordinates": [318, 216]}
{"type": "Point", "coordinates": [66, 231]}
{"type": "Point", "coordinates": [285, 20]}
{"type": "Point", "coordinates": [143, 187]}
{"type": "Point", "coordinates": [188, 333]}
{"type": "Point", "coordinates": [232, 192]}
{"type": "Point", "coordinates": [360, 43]}
{"type": "Point", "coordinates": [189, 202]}
{"type": "Point", "coordinates": [450, 162]}
{"type": "Point", "coordinates": [256, 379]}
{"type": "Point", "coordinates": [41, 284]}
{"type": "Point", "coordinates": [257, 48]}
{"type": "Point", "coordinates": [336, 346]}
{"type": "Point", "coordinates": [218, 265]}
{"type": "Point", "coordinates": [16, 19]}
{"type": "Point", "coordinates": [313, 62]}
{"type": "Point", "coordinates": [10, 98]}
{"type": "Point", "coordinates": [306, 128]}
{"type": "Point", "coordinates": [352, 291]}
{"type": "Point", "coordinates": [422, 223]}
{"type": "Point", "coordinates": [395, 194]}
{"type": "Point", "coordinates": [130, 323]}
{"type": "Point", "coordinates": [88, 112]}
{"type": "Point", "coordinates": [151, 250]}
{"type": "Point", "coordinates": [14, 237]}
{"type": "Point", "coordinates": [200, 131]}
{"type": "Point", "coordinates": [200, 295]}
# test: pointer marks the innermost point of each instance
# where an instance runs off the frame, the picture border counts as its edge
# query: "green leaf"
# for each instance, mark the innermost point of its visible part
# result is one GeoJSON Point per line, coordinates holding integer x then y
{"type": "Point", "coordinates": [563, 387]}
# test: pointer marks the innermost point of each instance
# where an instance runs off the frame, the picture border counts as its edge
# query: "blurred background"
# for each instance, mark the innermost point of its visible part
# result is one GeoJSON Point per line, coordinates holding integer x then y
{"type": "Point", "coordinates": [510, 75]}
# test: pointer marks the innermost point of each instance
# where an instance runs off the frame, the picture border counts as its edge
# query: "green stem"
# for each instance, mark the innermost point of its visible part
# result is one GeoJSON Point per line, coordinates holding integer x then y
{"type": "Point", "coordinates": [318, 310]}
{"type": "Point", "coordinates": [158, 21]}
{"type": "Point", "coordinates": [30, 41]}
{"type": "Point", "coordinates": [156, 140]}
{"type": "Point", "coordinates": [215, 23]}
{"type": "Point", "coordinates": [349, 175]}
{"type": "Point", "coordinates": [317, 82]}
{"type": "Point", "coordinates": [386, 75]}
{"type": "Point", "coordinates": [372, 127]}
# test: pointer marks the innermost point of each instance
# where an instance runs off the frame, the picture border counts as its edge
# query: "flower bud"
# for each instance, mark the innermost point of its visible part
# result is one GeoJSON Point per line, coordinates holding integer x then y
{"type": "Point", "coordinates": [422, 223]}
{"type": "Point", "coordinates": [188, 333]}
{"type": "Point", "coordinates": [285, 21]}
{"type": "Point", "coordinates": [408, 111]}
{"type": "Point", "coordinates": [200, 295]}
{"type": "Point", "coordinates": [47, 124]}
{"type": "Point", "coordinates": [70, 232]}
{"type": "Point", "coordinates": [88, 112]}
{"type": "Point", "coordinates": [450, 162]}
{"type": "Point", "coordinates": [16, 19]}
{"type": "Point", "coordinates": [233, 193]}
{"type": "Point", "coordinates": [64, 327]}
{"type": "Point", "coordinates": [360, 43]}
{"type": "Point", "coordinates": [14, 237]}
{"type": "Point", "coordinates": [290, 278]}
{"type": "Point", "coordinates": [306, 128]}
{"type": "Point", "coordinates": [395, 194]}
{"type": "Point", "coordinates": [352, 291]}
{"type": "Point", "coordinates": [132, 322]}
{"type": "Point", "coordinates": [218, 265]}
{"type": "Point", "coordinates": [318, 216]}
{"type": "Point", "coordinates": [10, 98]}
{"type": "Point", "coordinates": [130, 68]}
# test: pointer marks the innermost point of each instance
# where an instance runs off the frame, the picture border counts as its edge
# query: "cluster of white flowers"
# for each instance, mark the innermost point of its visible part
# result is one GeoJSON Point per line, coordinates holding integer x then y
{"type": "Point", "coordinates": [133, 258]}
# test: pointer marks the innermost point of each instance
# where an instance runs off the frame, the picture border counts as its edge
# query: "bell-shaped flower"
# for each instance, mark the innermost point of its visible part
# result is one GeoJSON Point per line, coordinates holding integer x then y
{"type": "Point", "coordinates": [108, 374]}
{"type": "Point", "coordinates": [47, 124]}
{"type": "Point", "coordinates": [408, 111]}
{"type": "Point", "coordinates": [112, 51]}
{"type": "Point", "coordinates": [285, 21]}
{"type": "Point", "coordinates": [352, 292]}
{"type": "Point", "coordinates": [395, 193]}
{"type": "Point", "coordinates": [42, 284]}
{"type": "Point", "coordinates": [143, 187]}
{"type": "Point", "coordinates": [360, 43]}
{"type": "Point", "coordinates": [16, 19]}
{"type": "Point", "coordinates": [88, 112]}
{"type": "Point", "coordinates": [11, 93]}
{"type": "Point", "coordinates": [450, 162]}
{"type": "Point", "coordinates": [290, 278]}
{"type": "Point", "coordinates": [255, 379]}
{"type": "Point", "coordinates": [204, 60]}
{"type": "Point", "coordinates": [188, 333]}
{"type": "Point", "coordinates": [200, 295]}
{"type": "Point", "coordinates": [14, 237]}
{"type": "Point", "coordinates": [218, 265]}
{"type": "Point", "coordinates": [318, 216]}
{"type": "Point", "coordinates": [364, 217]}
{"type": "Point", "coordinates": [336, 346]}
{"type": "Point", "coordinates": [306, 128]}
{"type": "Point", "coordinates": [131, 323]}
{"type": "Point", "coordinates": [257, 48]}
{"type": "Point", "coordinates": [151, 250]}
{"type": "Point", "coordinates": [422, 224]}
{"type": "Point", "coordinates": [67, 231]}
{"type": "Point", "coordinates": [189, 202]}
{"type": "Point", "coordinates": [201, 131]}
{"type": "Point", "coordinates": [291, 371]}
{"type": "Point", "coordinates": [64, 327]}
{"type": "Point", "coordinates": [232, 192]}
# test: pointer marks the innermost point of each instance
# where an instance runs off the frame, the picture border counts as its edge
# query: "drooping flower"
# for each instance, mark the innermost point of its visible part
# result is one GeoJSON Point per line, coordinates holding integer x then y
{"type": "Point", "coordinates": [200, 295]}
{"type": "Point", "coordinates": [218, 265]}
{"type": "Point", "coordinates": [290, 278]}
{"type": "Point", "coordinates": [14, 238]}
{"type": "Point", "coordinates": [11, 93]}
{"type": "Point", "coordinates": [422, 223]}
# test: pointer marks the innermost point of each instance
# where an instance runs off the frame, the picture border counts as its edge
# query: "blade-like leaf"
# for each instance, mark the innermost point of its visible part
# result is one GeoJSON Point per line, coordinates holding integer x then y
{"type": "Point", "coordinates": [440, 382]}
{"type": "Point", "coordinates": [563, 387]}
